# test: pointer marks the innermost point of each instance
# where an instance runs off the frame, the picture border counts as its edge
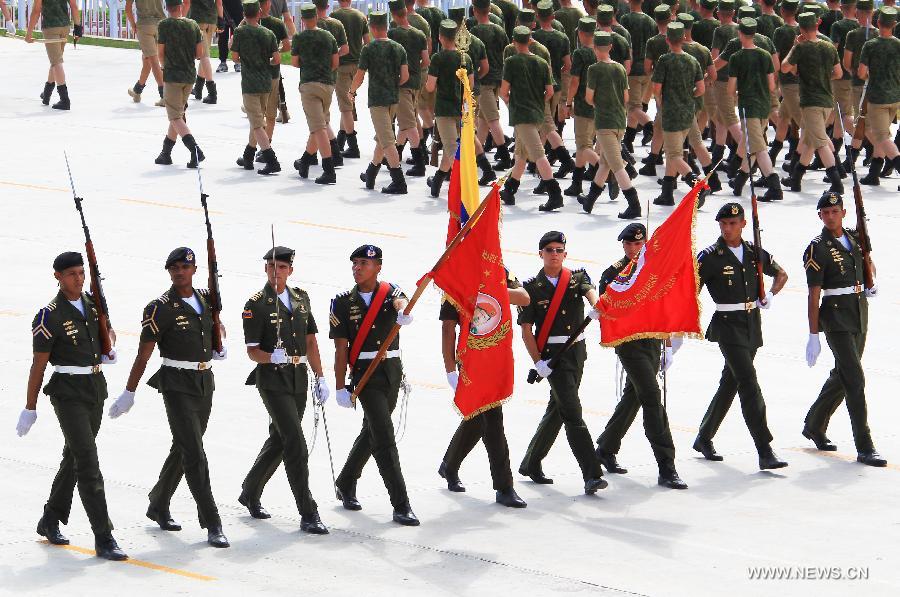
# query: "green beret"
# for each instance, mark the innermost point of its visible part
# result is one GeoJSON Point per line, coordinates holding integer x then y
{"type": "Point", "coordinates": [888, 15]}
{"type": "Point", "coordinates": [605, 14]}
{"type": "Point", "coordinates": [308, 11]}
{"type": "Point", "coordinates": [173, 3]}
{"type": "Point", "coordinates": [730, 210]}
{"type": "Point", "coordinates": [602, 38]}
{"type": "Point", "coordinates": [790, 5]}
{"type": "Point", "coordinates": [662, 12]}
{"type": "Point", "coordinates": [68, 259]}
{"type": "Point", "coordinates": [397, 5]}
{"type": "Point", "coordinates": [526, 16]}
{"type": "Point", "coordinates": [830, 199]}
{"type": "Point", "coordinates": [746, 12]}
{"type": "Point", "coordinates": [521, 34]}
{"type": "Point", "coordinates": [865, 5]}
{"type": "Point", "coordinates": [545, 8]}
{"type": "Point", "coordinates": [747, 26]}
{"type": "Point", "coordinates": [709, 4]}
{"type": "Point", "coordinates": [587, 24]}
{"type": "Point", "coordinates": [726, 5]}
{"type": "Point", "coordinates": [457, 13]}
{"type": "Point", "coordinates": [675, 32]}
{"type": "Point", "coordinates": [378, 18]}
{"type": "Point", "coordinates": [686, 19]}
{"type": "Point", "coordinates": [281, 254]}
{"type": "Point", "coordinates": [481, 3]}
{"type": "Point", "coordinates": [808, 20]}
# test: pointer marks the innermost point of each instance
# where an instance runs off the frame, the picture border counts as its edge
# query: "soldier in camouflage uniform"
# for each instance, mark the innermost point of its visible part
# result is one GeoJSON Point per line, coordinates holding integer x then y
{"type": "Point", "coordinates": [55, 21]}
{"type": "Point", "coordinates": [656, 46]}
{"type": "Point", "coordinates": [841, 88]}
{"type": "Point", "coordinates": [415, 44]}
{"type": "Point", "coordinates": [853, 44]}
{"type": "Point", "coordinates": [210, 17]}
{"type": "Point", "coordinates": [641, 27]}
{"type": "Point", "coordinates": [336, 29]}
{"type": "Point", "coordinates": [495, 40]}
{"type": "Point", "coordinates": [145, 26]}
{"type": "Point", "coordinates": [356, 27]}
{"type": "Point", "coordinates": [581, 111]}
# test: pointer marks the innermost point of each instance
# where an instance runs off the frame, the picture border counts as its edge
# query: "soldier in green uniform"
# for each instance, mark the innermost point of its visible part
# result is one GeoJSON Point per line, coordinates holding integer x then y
{"type": "Point", "coordinates": [581, 111]}
{"type": "Point", "coordinates": [767, 21]}
{"type": "Point", "coordinates": [841, 88]}
{"type": "Point", "coordinates": [703, 56]}
{"type": "Point", "coordinates": [725, 119]}
{"type": "Point", "coordinates": [702, 33]}
{"type": "Point", "coordinates": [433, 15]}
{"type": "Point", "coordinates": [557, 44]}
{"type": "Point", "coordinates": [180, 321]}
{"type": "Point", "coordinates": [486, 426]}
{"type": "Point", "coordinates": [656, 46]}
{"type": "Point", "coordinates": [385, 61]}
{"type": "Point", "coordinates": [495, 40]}
{"type": "Point", "coordinates": [356, 27]}
{"type": "Point", "coordinates": [853, 44]}
{"type": "Point", "coordinates": [424, 100]}
{"type": "Point", "coordinates": [728, 268]}
{"type": "Point", "coordinates": [145, 26]}
{"type": "Point", "coordinates": [641, 360]}
{"type": "Point", "coordinates": [55, 22]}
{"type": "Point", "coordinates": [256, 49]}
{"type": "Point", "coordinates": [361, 319]}
{"type": "Point", "coordinates": [275, 101]}
{"type": "Point", "coordinates": [641, 27]}
{"type": "Point", "coordinates": [66, 334]}
{"type": "Point", "coordinates": [316, 51]}
{"type": "Point", "coordinates": [415, 44]}
{"type": "Point", "coordinates": [568, 16]}
{"type": "Point", "coordinates": [788, 121]}
{"type": "Point", "coordinates": [283, 345]}
{"type": "Point", "coordinates": [180, 44]}
{"type": "Point", "coordinates": [210, 17]}
{"type": "Point", "coordinates": [564, 406]}
{"type": "Point", "coordinates": [838, 305]}
{"type": "Point", "coordinates": [510, 12]}
{"type": "Point", "coordinates": [335, 28]}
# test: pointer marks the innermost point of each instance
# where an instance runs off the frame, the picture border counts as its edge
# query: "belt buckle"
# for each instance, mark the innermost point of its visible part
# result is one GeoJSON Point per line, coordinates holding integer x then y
{"type": "Point", "coordinates": [295, 360]}
{"type": "Point", "coordinates": [857, 288]}
{"type": "Point", "coordinates": [202, 366]}
{"type": "Point", "coordinates": [95, 369]}
{"type": "Point", "coordinates": [748, 306]}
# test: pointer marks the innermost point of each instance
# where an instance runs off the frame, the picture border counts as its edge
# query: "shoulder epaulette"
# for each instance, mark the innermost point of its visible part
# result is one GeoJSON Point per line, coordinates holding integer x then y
{"type": "Point", "coordinates": [51, 306]}
{"type": "Point", "coordinates": [342, 294]}
{"type": "Point", "coordinates": [395, 290]}
{"type": "Point", "coordinates": [816, 240]}
{"type": "Point", "coordinates": [529, 281]}
{"type": "Point", "coordinates": [41, 326]}
{"type": "Point", "coordinates": [203, 291]}
{"type": "Point", "coordinates": [162, 299]}
{"type": "Point", "coordinates": [707, 251]}
{"type": "Point", "coordinates": [256, 296]}
{"type": "Point", "coordinates": [618, 264]}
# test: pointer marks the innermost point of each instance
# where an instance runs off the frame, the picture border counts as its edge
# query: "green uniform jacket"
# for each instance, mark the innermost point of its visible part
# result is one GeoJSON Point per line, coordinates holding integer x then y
{"type": "Point", "coordinates": [829, 265]}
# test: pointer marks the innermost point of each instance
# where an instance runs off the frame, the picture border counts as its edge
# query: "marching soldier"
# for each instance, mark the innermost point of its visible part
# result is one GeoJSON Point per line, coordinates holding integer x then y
{"type": "Point", "coordinates": [146, 28]}
{"type": "Point", "coordinates": [256, 48]}
{"type": "Point", "coordinates": [385, 61]}
{"type": "Point", "coordinates": [283, 345]}
{"type": "Point", "coordinates": [275, 101]}
{"type": "Point", "coordinates": [55, 22]}
{"type": "Point", "coordinates": [656, 46]}
{"type": "Point", "coordinates": [495, 40]}
{"type": "Point", "coordinates": [180, 321]}
{"type": "Point", "coordinates": [556, 307]}
{"type": "Point", "coordinates": [853, 44]}
{"type": "Point", "coordinates": [582, 112]}
{"type": "Point", "coordinates": [356, 27]}
{"type": "Point", "coordinates": [210, 17]}
{"type": "Point", "coordinates": [841, 88]}
{"type": "Point", "coordinates": [279, 10]}
{"type": "Point", "coordinates": [641, 27]}
{"type": "Point", "coordinates": [767, 21]}
{"type": "Point", "coordinates": [361, 319]}
{"type": "Point", "coordinates": [728, 268]}
{"type": "Point", "coordinates": [789, 109]}
{"type": "Point", "coordinates": [335, 28]}
{"type": "Point", "coordinates": [641, 361]}
{"type": "Point", "coordinates": [180, 44]}
{"type": "Point", "coordinates": [66, 334]}
{"type": "Point", "coordinates": [426, 19]}
{"type": "Point", "coordinates": [838, 305]}
{"type": "Point", "coordinates": [557, 45]}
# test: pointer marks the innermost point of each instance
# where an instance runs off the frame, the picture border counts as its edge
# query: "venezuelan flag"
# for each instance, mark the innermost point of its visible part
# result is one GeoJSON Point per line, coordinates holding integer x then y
{"type": "Point", "coordinates": [463, 197]}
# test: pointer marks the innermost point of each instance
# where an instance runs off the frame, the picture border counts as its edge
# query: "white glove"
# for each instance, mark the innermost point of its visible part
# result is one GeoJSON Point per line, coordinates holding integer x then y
{"type": "Point", "coordinates": [110, 359]}
{"type": "Point", "coordinates": [594, 314]}
{"type": "Point", "coordinates": [872, 292]}
{"type": "Point", "coordinates": [453, 379]}
{"type": "Point", "coordinates": [278, 357]}
{"type": "Point", "coordinates": [667, 360]}
{"type": "Point", "coordinates": [404, 319]}
{"type": "Point", "coordinates": [26, 420]}
{"type": "Point", "coordinates": [813, 349]}
{"type": "Point", "coordinates": [677, 342]}
{"type": "Point", "coordinates": [769, 299]}
{"type": "Point", "coordinates": [343, 398]}
{"type": "Point", "coordinates": [220, 356]}
{"type": "Point", "coordinates": [543, 369]}
{"type": "Point", "coordinates": [122, 404]}
{"type": "Point", "coordinates": [323, 392]}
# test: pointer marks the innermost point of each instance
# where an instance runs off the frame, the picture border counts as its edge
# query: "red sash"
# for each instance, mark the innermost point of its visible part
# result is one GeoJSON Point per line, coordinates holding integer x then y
{"type": "Point", "coordinates": [561, 286]}
{"type": "Point", "coordinates": [377, 300]}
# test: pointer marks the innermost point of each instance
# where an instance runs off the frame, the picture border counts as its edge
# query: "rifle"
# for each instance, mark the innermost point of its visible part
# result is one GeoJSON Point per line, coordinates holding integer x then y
{"type": "Point", "coordinates": [859, 129]}
{"type": "Point", "coordinates": [435, 142]}
{"type": "Point", "coordinates": [754, 207]}
{"type": "Point", "coordinates": [96, 279]}
{"type": "Point", "coordinates": [215, 296]}
{"type": "Point", "coordinates": [534, 376]}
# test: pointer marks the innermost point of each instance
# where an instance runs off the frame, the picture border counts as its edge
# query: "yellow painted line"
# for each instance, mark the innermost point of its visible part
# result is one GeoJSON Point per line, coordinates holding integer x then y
{"type": "Point", "coordinates": [139, 563]}
{"type": "Point", "coordinates": [836, 456]}
{"type": "Point", "coordinates": [168, 205]}
{"type": "Point", "coordinates": [534, 254]}
{"type": "Point", "coordinates": [32, 186]}
{"type": "Point", "coordinates": [345, 229]}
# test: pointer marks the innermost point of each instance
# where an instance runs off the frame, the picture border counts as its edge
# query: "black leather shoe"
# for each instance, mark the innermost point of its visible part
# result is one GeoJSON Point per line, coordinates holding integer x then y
{"type": "Point", "coordinates": [610, 463]}
{"type": "Point", "coordinates": [310, 523]}
{"type": "Point", "coordinates": [871, 458]}
{"type": "Point", "coordinates": [706, 448]}
{"type": "Point", "coordinates": [107, 548]}
{"type": "Point", "coordinates": [348, 498]}
{"type": "Point", "coordinates": [453, 482]}
{"type": "Point", "coordinates": [164, 520]}
{"type": "Point", "coordinates": [216, 538]}
{"type": "Point", "coordinates": [536, 475]}
{"type": "Point", "coordinates": [50, 530]}
{"type": "Point", "coordinates": [404, 515]}
{"type": "Point", "coordinates": [669, 478]}
{"type": "Point", "coordinates": [256, 509]}
{"type": "Point", "coordinates": [822, 442]}
{"type": "Point", "coordinates": [509, 498]}
{"type": "Point", "coordinates": [592, 485]}
{"type": "Point", "coordinates": [768, 460]}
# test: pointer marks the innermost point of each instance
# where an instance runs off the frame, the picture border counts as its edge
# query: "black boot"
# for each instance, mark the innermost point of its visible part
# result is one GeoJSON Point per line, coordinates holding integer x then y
{"type": "Point", "coordinates": [341, 139]}
{"type": "Point", "coordinates": [272, 166]}
{"type": "Point", "coordinates": [48, 93]}
{"type": "Point", "coordinates": [352, 147]}
{"type": "Point", "coordinates": [794, 181]}
{"type": "Point", "coordinates": [369, 175]}
{"type": "Point", "coordinates": [628, 140]}
{"type": "Point", "coordinates": [630, 170]}
{"type": "Point", "coordinates": [312, 524]}
{"type": "Point", "coordinates": [302, 165]}
{"type": "Point", "coordinates": [793, 142]}
{"type": "Point", "coordinates": [734, 165]}
{"type": "Point", "coordinates": [565, 160]}
{"type": "Point", "coordinates": [452, 478]}
{"type": "Point", "coordinates": [509, 498]}
{"type": "Point", "coordinates": [590, 172]}
{"type": "Point", "coordinates": [816, 164]}
{"type": "Point", "coordinates": [555, 200]}
{"type": "Point", "coordinates": [435, 182]}
{"type": "Point", "coordinates": [404, 514]}
{"type": "Point", "coordinates": [253, 506]}
{"type": "Point", "coordinates": [488, 144]}
{"type": "Point", "coordinates": [774, 193]}
{"type": "Point", "coordinates": [649, 168]}
{"type": "Point", "coordinates": [487, 173]}
{"type": "Point", "coordinates": [63, 103]}
{"type": "Point", "coordinates": [418, 162]}
{"type": "Point", "coordinates": [715, 185]}
{"type": "Point", "coordinates": [336, 158]}
{"type": "Point", "coordinates": [717, 151]}
{"type": "Point", "coordinates": [613, 186]}
{"type": "Point", "coordinates": [575, 188]}
{"type": "Point", "coordinates": [834, 176]}
{"type": "Point", "coordinates": [328, 176]}
{"type": "Point", "coordinates": [768, 460]}
{"type": "Point", "coordinates": [888, 168]}
{"type": "Point", "coordinates": [775, 149]}
{"type": "Point", "coordinates": [634, 205]}
{"type": "Point", "coordinates": [163, 519]}
{"type": "Point", "coordinates": [216, 538]}
{"type": "Point", "coordinates": [668, 477]}
{"type": "Point", "coordinates": [587, 201]}
{"type": "Point", "coordinates": [347, 498]}
{"type": "Point", "coordinates": [212, 96]}
{"type": "Point", "coordinates": [610, 463]}
{"type": "Point", "coordinates": [503, 161]}
{"type": "Point", "coordinates": [198, 87]}
{"type": "Point", "coordinates": [106, 547]}
{"type": "Point", "coordinates": [398, 183]}
{"type": "Point", "coordinates": [49, 528]}
{"type": "Point", "coordinates": [246, 160]}
{"type": "Point", "coordinates": [668, 187]}
{"type": "Point", "coordinates": [550, 153]}
{"type": "Point", "coordinates": [737, 184]}
{"type": "Point", "coordinates": [400, 151]}
{"type": "Point", "coordinates": [648, 133]}
{"type": "Point", "coordinates": [196, 153]}
{"type": "Point", "coordinates": [705, 447]}
{"type": "Point", "coordinates": [873, 178]}
{"type": "Point", "coordinates": [869, 149]}
{"type": "Point", "coordinates": [508, 193]}
{"type": "Point", "coordinates": [849, 162]}
{"type": "Point", "coordinates": [540, 189]}
{"type": "Point", "coordinates": [165, 156]}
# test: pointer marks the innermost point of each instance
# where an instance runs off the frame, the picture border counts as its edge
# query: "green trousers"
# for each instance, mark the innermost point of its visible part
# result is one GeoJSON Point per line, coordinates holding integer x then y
{"type": "Point", "coordinates": [846, 381]}
{"type": "Point", "coordinates": [738, 377]}
{"type": "Point", "coordinates": [640, 359]}
{"type": "Point", "coordinates": [486, 427]}
{"type": "Point", "coordinates": [79, 419]}
{"type": "Point", "coordinates": [188, 415]}
{"type": "Point", "coordinates": [285, 442]}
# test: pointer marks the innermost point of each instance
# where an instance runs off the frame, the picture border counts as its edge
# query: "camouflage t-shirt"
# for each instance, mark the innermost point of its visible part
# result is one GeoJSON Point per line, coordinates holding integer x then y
{"type": "Point", "coordinates": [815, 60]}
{"type": "Point", "coordinates": [721, 37]}
{"type": "Point", "coordinates": [448, 93]}
{"type": "Point", "coordinates": [854, 44]}
{"type": "Point", "coordinates": [678, 74]}
{"type": "Point", "coordinates": [557, 44]}
{"type": "Point", "coordinates": [180, 37]}
{"type": "Point", "coordinates": [882, 56]}
{"type": "Point", "coordinates": [335, 28]}
{"type": "Point", "coordinates": [703, 30]}
{"type": "Point", "coordinates": [433, 16]}
{"type": "Point", "coordinates": [609, 82]}
{"type": "Point", "coordinates": [535, 48]}
{"type": "Point", "coordinates": [568, 17]}
{"type": "Point", "coordinates": [382, 59]}
{"type": "Point", "coordinates": [315, 47]}
{"type": "Point", "coordinates": [784, 40]}
{"type": "Point", "coordinates": [413, 42]}
{"type": "Point", "coordinates": [527, 75]}
{"type": "Point", "coordinates": [255, 45]}
{"type": "Point", "coordinates": [355, 27]}
{"type": "Point", "coordinates": [582, 59]}
{"type": "Point", "coordinates": [494, 40]}
{"type": "Point", "coordinates": [620, 51]}
{"type": "Point", "coordinates": [277, 27]}
{"type": "Point", "coordinates": [641, 27]}
{"type": "Point", "coordinates": [767, 24]}
{"type": "Point", "coordinates": [204, 11]}
{"type": "Point", "coordinates": [751, 68]}
{"type": "Point", "coordinates": [702, 56]}
{"type": "Point", "coordinates": [55, 13]}
{"type": "Point", "coordinates": [838, 35]}
{"type": "Point", "coordinates": [477, 53]}
{"type": "Point", "coordinates": [656, 47]}
{"type": "Point", "coordinates": [732, 47]}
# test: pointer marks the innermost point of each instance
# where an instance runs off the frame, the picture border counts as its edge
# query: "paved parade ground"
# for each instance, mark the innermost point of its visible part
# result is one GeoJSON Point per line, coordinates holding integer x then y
{"type": "Point", "coordinates": [825, 517]}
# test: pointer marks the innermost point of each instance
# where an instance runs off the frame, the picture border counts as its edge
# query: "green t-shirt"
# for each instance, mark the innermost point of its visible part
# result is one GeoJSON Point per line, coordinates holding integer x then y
{"type": "Point", "coordinates": [335, 28]}
{"type": "Point", "coordinates": [355, 27]}
{"type": "Point", "coordinates": [433, 16]}
{"type": "Point", "coordinates": [419, 22]}
{"type": "Point", "coordinates": [557, 44]}
{"type": "Point", "coordinates": [510, 12]}
{"type": "Point", "coordinates": [382, 59]}
{"type": "Point", "coordinates": [854, 43]}
{"type": "Point", "coordinates": [703, 30]}
{"type": "Point", "coordinates": [656, 47]}
{"type": "Point", "coordinates": [568, 17]}
{"type": "Point", "coordinates": [641, 27]}
{"type": "Point", "coordinates": [784, 40]}
{"type": "Point", "coordinates": [279, 29]}
{"type": "Point", "coordinates": [582, 59]}
{"type": "Point", "coordinates": [204, 11]}
{"type": "Point", "coordinates": [528, 75]}
{"type": "Point", "coordinates": [678, 74]}
{"type": "Point", "coordinates": [732, 47]}
{"type": "Point", "coordinates": [180, 37]}
{"type": "Point", "coordinates": [315, 47]}
{"type": "Point", "coordinates": [815, 60]}
{"type": "Point", "coordinates": [704, 58]}
{"type": "Point", "coordinates": [751, 68]}
{"type": "Point", "coordinates": [767, 24]}
{"type": "Point", "coordinates": [609, 82]}
{"type": "Point", "coordinates": [476, 53]}
{"type": "Point", "coordinates": [721, 37]}
{"type": "Point", "coordinates": [149, 12]}
{"type": "Point", "coordinates": [535, 48]}
{"type": "Point", "coordinates": [413, 42]}
{"type": "Point", "coordinates": [620, 51]}
{"type": "Point", "coordinates": [882, 56]}
{"type": "Point", "coordinates": [55, 13]}
{"type": "Point", "coordinates": [838, 35]}
{"type": "Point", "coordinates": [494, 40]}
{"type": "Point", "coordinates": [255, 45]}
{"type": "Point", "coordinates": [448, 93]}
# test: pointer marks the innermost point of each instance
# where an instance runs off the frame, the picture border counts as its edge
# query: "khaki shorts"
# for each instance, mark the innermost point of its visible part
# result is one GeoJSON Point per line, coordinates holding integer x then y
{"type": "Point", "coordinates": [176, 96]}
{"type": "Point", "coordinates": [274, 98]}
{"type": "Point", "coordinates": [406, 109]}
{"type": "Point", "coordinates": [710, 105]}
{"type": "Point", "coordinates": [528, 142]}
{"type": "Point", "coordinates": [584, 133]}
{"type": "Point", "coordinates": [756, 132]}
{"type": "Point", "coordinates": [383, 123]}
{"type": "Point", "coordinates": [812, 126]}
{"type": "Point", "coordinates": [790, 103]}
{"type": "Point", "coordinates": [609, 148]}
{"type": "Point", "coordinates": [148, 38]}
{"type": "Point", "coordinates": [841, 91]}
{"type": "Point", "coordinates": [316, 101]}
{"type": "Point", "coordinates": [637, 85]}
{"type": "Point", "coordinates": [673, 143]}
{"type": "Point", "coordinates": [725, 107]}
{"type": "Point", "coordinates": [426, 98]}
{"type": "Point", "coordinates": [488, 108]}
{"type": "Point", "coordinates": [549, 124]}
{"type": "Point", "coordinates": [255, 107]}
{"type": "Point", "coordinates": [695, 136]}
{"type": "Point", "coordinates": [878, 121]}
{"type": "Point", "coordinates": [345, 74]}
{"type": "Point", "coordinates": [564, 87]}
{"type": "Point", "coordinates": [448, 129]}
{"type": "Point", "coordinates": [55, 50]}
{"type": "Point", "coordinates": [207, 31]}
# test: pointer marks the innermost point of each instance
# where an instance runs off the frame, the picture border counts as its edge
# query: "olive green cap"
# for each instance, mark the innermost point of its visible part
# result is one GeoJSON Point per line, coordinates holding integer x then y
{"type": "Point", "coordinates": [448, 28]}
{"type": "Point", "coordinates": [746, 12]}
{"type": "Point", "coordinates": [544, 8]}
{"type": "Point", "coordinates": [726, 5]}
{"type": "Point", "coordinates": [521, 34]}
{"type": "Point", "coordinates": [587, 24]}
{"type": "Point", "coordinates": [662, 12]}
{"type": "Point", "coordinates": [686, 19]}
{"type": "Point", "coordinates": [397, 5]}
{"type": "Point", "coordinates": [816, 9]}
{"type": "Point", "coordinates": [249, 3]}
{"type": "Point", "coordinates": [865, 5]}
{"type": "Point", "coordinates": [602, 38]}
{"type": "Point", "coordinates": [526, 16]}
{"type": "Point", "coordinates": [308, 11]}
{"type": "Point", "coordinates": [457, 13]}
{"type": "Point", "coordinates": [605, 14]}
{"type": "Point", "coordinates": [378, 18]}
{"type": "Point", "coordinates": [481, 3]}
{"type": "Point", "coordinates": [791, 5]}
{"type": "Point", "coordinates": [173, 3]}
{"type": "Point", "coordinates": [675, 32]}
{"type": "Point", "coordinates": [747, 26]}
{"type": "Point", "coordinates": [808, 20]}
{"type": "Point", "coordinates": [250, 7]}
{"type": "Point", "coordinates": [888, 15]}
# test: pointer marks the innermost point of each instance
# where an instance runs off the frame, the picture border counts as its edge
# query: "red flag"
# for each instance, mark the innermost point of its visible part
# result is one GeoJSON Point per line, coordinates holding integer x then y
{"type": "Point", "coordinates": [660, 296]}
{"type": "Point", "coordinates": [474, 281]}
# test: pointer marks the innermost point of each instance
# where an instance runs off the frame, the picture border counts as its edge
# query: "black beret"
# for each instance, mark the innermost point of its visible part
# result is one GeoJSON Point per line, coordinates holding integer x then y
{"type": "Point", "coordinates": [730, 210]}
{"type": "Point", "coordinates": [366, 252]}
{"type": "Point", "coordinates": [633, 232]}
{"type": "Point", "coordinates": [181, 254]}
{"type": "Point", "coordinates": [66, 260]}
{"type": "Point", "coordinates": [552, 237]}
{"type": "Point", "coordinates": [830, 199]}
{"type": "Point", "coordinates": [281, 254]}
